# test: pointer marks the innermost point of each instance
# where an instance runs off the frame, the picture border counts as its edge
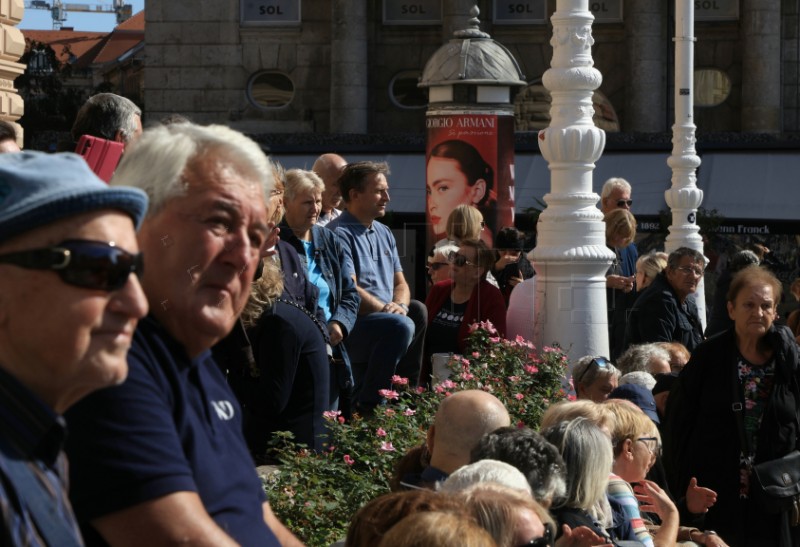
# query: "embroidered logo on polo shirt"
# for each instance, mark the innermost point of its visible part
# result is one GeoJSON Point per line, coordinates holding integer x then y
{"type": "Point", "coordinates": [224, 409]}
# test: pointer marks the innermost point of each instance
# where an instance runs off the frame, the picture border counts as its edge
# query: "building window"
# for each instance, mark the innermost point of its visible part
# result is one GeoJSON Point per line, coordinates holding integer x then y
{"type": "Point", "coordinates": [404, 93]}
{"type": "Point", "coordinates": [270, 89]}
{"type": "Point", "coordinates": [711, 87]}
{"type": "Point", "coordinates": [532, 109]}
{"type": "Point", "coordinates": [40, 62]}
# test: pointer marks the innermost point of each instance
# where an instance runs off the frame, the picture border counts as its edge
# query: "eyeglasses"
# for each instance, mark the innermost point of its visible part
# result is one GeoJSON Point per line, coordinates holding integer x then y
{"type": "Point", "coordinates": [600, 362]}
{"type": "Point", "coordinates": [546, 540]}
{"type": "Point", "coordinates": [656, 449]}
{"type": "Point", "coordinates": [457, 259]}
{"type": "Point", "coordinates": [624, 202]}
{"type": "Point", "coordinates": [436, 265]}
{"type": "Point", "coordinates": [87, 264]}
{"type": "Point", "coordinates": [688, 270]}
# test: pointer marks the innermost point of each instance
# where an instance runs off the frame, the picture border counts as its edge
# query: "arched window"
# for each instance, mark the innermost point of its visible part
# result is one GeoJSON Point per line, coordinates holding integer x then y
{"type": "Point", "coordinates": [270, 90]}
{"type": "Point", "coordinates": [404, 93]}
{"type": "Point", "coordinates": [711, 87]}
{"type": "Point", "coordinates": [532, 109]}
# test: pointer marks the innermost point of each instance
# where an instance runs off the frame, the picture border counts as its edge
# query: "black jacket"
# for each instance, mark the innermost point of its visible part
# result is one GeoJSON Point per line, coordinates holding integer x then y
{"type": "Point", "coordinates": [701, 437]}
{"type": "Point", "coordinates": [658, 316]}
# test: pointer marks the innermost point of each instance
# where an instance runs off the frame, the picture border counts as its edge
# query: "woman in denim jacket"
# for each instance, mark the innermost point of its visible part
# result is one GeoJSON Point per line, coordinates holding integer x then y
{"type": "Point", "coordinates": [327, 266]}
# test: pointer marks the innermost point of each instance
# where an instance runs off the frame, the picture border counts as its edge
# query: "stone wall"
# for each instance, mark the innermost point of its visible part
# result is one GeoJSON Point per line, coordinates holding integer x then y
{"type": "Point", "coordinates": [200, 59]}
{"type": "Point", "coordinates": [12, 46]}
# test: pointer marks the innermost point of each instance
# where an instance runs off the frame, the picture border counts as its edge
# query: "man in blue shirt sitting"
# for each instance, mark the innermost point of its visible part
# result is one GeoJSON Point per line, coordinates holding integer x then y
{"type": "Point", "coordinates": [388, 334]}
{"type": "Point", "coordinates": [161, 459]}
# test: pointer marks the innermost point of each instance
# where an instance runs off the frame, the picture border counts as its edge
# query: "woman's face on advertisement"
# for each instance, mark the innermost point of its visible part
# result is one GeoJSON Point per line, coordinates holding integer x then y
{"type": "Point", "coordinates": [447, 187]}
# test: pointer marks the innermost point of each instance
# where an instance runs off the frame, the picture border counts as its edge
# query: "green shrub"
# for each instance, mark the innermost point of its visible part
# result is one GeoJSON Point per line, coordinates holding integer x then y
{"type": "Point", "coordinates": [316, 494]}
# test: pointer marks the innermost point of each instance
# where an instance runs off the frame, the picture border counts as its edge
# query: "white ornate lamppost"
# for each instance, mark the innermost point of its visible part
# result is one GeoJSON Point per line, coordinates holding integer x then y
{"type": "Point", "coordinates": [571, 257]}
{"type": "Point", "coordinates": [684, 197]}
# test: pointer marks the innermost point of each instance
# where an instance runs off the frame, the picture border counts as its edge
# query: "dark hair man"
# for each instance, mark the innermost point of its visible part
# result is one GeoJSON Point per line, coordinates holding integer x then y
{"type": "Point", "coordinates": [664, 311]}
{"type": "Point", "coordinates": [8, 138]}
{"type": "Point", "coordinates": [108, 116]}
{"type": "Point", "coordinates": [390, 325]}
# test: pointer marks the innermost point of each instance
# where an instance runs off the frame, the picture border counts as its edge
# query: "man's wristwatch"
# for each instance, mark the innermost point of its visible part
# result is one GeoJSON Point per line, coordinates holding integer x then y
{"type": "Point", "coordinates": [405, 308]}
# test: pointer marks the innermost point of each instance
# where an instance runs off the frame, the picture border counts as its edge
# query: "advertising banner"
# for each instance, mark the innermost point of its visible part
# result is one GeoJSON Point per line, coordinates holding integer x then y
{"type": "Point", "coordinates": [469, 160]}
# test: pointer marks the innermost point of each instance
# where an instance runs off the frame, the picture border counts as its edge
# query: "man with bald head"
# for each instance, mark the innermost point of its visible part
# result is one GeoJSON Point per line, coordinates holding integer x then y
{"type": "Point", "coordinates": [462, 419]}
{"type": "Point", "coordinates": [329, 167]}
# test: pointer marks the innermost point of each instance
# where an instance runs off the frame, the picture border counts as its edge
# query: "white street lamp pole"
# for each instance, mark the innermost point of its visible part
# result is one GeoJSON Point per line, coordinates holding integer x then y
{"type": "Point", "coordinates": [684, 197]}
{"type": "Point", "coordinates": [571, 257]}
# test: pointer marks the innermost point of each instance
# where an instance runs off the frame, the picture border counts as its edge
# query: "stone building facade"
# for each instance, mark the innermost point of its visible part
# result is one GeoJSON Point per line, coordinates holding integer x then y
{"type": "Point", "coordinates": [12, 46]}
{"type": "Point", "coordinates": [329, 66]}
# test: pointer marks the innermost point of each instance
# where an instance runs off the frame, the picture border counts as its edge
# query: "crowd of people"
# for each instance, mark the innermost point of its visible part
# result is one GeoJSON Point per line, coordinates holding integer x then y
{"type": "Point", "coordinates": [163, 328]}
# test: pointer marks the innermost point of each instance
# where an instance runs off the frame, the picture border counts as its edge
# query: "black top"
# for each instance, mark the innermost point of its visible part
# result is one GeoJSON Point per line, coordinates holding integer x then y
{"type": "Point", "coordinates": [442, 335]}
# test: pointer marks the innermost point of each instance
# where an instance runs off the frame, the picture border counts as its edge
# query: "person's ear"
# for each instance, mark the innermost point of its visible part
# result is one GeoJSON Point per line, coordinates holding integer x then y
{"type": "Point", "coordinates": [119, 137]}
{"type": "Point", "coordinates": [627, 448]}
{"type": "Point", "coordinates": [730, 309]}
{"type": "Point", "coordinates": [429, 439]}
{"type": "Point", "coordinates": [478, 191]}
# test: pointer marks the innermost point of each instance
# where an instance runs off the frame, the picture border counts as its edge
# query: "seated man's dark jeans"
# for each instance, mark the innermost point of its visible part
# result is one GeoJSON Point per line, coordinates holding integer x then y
{"type": "Point", "coordinates": [376, 344]}
{"type": "Point", "coordinates": [411, 363]}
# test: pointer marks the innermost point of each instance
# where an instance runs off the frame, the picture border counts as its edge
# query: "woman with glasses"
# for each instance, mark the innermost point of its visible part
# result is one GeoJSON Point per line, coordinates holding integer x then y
{"type": "Point", "coordinates": [594, 378]}
{"type": "Point", "coordinates": [439, 267]}
{"type": "Point", "coordinates": [636, 444]}
{"type": "Point", "coordinates": [453, 305]}
{"type": "Point", "coordinates": [734, 406]}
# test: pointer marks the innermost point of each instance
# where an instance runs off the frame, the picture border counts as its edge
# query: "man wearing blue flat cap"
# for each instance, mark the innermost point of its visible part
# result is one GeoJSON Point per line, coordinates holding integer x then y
{"type": "Point", "coordinates": [68, 309]}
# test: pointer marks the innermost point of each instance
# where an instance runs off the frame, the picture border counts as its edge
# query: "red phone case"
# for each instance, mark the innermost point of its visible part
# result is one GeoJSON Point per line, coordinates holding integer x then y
{"type": "Point", "coordinates": [102, 155]}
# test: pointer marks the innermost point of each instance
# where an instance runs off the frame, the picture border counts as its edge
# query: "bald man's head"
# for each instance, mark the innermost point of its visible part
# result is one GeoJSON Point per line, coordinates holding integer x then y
{"type": "Point", "coordinates": [462, 419]}
{"type": "Point", "coordinates": [329, 167]}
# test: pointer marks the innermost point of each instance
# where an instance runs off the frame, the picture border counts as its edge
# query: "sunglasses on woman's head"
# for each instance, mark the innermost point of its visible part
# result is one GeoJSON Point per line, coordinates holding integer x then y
{"type": "Point", "coordinates": [82, 263]}
{"type": "Point", "coordinates": [600, 362]}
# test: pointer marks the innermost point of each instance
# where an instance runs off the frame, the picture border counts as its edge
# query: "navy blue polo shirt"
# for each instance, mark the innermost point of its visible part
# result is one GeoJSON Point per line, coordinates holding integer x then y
{"type": "Point", "coordinates": [173, 426]}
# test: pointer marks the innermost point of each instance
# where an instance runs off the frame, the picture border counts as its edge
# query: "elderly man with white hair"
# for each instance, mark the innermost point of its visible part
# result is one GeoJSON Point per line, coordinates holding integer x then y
{"type": "Point", "coordinates": [161, 459]}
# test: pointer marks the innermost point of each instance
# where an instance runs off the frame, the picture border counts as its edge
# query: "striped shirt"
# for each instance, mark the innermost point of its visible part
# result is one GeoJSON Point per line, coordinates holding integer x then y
{"type": "Point", "coordinates": [30, 431]}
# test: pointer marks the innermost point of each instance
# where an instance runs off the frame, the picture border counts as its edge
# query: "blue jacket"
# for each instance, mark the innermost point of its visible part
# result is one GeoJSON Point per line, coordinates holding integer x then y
{"type": "Point", "coordinates": [337, 268]}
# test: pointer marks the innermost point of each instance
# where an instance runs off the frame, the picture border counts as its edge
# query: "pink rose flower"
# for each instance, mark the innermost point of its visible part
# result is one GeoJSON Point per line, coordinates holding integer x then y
{"type": "Point", "coordinates": [348, 460]}
{"type": "Point", "coordinates": [387, 447]}
{"type": "Point", "coordinates": [409, 412]}
{"type": "Point", "coordinates": [380, 432]}
{"type": "Point", "coordinates": [399, 380]}
{"type": "Point", "coordinates": [388, 394]}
